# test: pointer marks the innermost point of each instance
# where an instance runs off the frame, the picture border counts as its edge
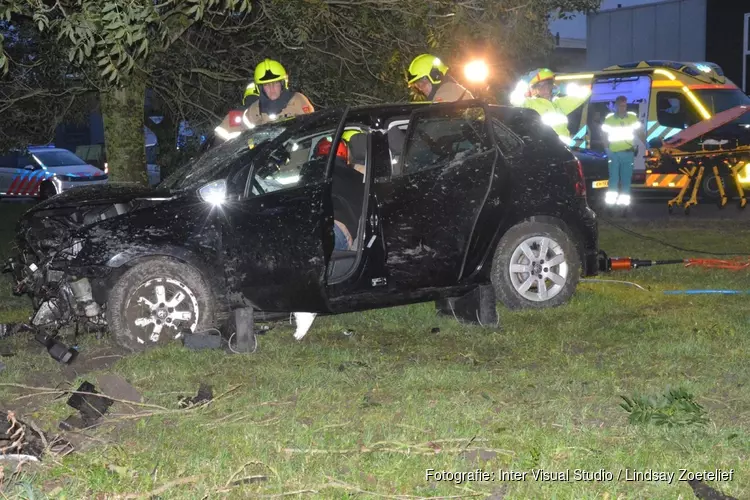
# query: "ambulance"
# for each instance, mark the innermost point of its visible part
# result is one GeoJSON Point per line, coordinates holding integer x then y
{"type": "Point", "coordinates": [668, 97]}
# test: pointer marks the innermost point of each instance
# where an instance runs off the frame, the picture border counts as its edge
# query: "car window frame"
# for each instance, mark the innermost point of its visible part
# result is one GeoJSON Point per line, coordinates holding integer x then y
{"type": "Point", "coordinates": [521, 144]}
{"type": "Point", "coordinates": [262, 156]}
{"type": "Point", "coordinates": [440, 108]}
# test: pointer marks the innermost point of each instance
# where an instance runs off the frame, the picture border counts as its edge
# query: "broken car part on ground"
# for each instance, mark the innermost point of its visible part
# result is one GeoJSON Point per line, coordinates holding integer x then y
{"type": "Point", "coordinates": [453, 197]}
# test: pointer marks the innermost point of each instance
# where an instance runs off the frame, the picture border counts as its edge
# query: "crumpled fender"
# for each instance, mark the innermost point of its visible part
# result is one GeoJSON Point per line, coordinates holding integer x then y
{"type": "Point", "coordinates": [116, 242]}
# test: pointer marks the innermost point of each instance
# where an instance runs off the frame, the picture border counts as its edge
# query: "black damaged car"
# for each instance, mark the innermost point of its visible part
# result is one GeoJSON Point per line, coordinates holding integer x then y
{"type": "Point", "coordinates": [337, 211]}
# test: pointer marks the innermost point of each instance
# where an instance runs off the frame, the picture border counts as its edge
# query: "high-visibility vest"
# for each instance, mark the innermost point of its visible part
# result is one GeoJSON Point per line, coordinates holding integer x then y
{"type": "Point", "coordinates": [555, 112]}
{"type": "Point", "coordinates": [620, 131]}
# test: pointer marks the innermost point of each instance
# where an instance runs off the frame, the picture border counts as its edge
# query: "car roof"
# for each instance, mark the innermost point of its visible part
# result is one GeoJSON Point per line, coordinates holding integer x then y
{"type": "Point", "coordinates": [692, 72]}
{"type": "Point", "coordinates": [390, 110]}
{"type": "Point", "coordinates": [46, 148]}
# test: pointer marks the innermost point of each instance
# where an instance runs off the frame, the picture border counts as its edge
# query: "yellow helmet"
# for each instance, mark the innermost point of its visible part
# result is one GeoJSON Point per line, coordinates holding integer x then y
{"type": "Point", "coordinates": [426, 65]}
{"type": "Point", "coordinates": [251, 89]}
{"type": "Point", "coordinates": [269, 71]}
{"type": "Point", "coordinates": [349, 133]}
{"type": "Point", "coordinates": [542, 75]}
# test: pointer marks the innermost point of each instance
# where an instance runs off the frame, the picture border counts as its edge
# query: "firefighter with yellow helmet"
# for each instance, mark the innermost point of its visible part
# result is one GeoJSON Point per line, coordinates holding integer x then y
{"type": "Point", "coordinates": [232, 124]}
{"type": "Point", "coordinates": [276, 101]}
{"type": "Point", "coordinates": [428, 75]}
{"type": "Point", "coordinates": [538, 94]}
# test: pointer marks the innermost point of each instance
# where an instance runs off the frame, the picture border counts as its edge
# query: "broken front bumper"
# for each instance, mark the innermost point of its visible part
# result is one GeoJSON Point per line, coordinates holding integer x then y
{"type": "Point", "coordinates": [58, 297]}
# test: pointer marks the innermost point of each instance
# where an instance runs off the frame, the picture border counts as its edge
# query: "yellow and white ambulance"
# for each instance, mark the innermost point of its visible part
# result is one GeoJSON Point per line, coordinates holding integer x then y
{"type": "Point", "coordinates": [668, 97]}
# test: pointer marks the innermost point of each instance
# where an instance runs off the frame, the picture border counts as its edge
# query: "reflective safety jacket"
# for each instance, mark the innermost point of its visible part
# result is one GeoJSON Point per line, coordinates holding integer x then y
{"type": "Point", "coordinates": [620, 131]}
{"type": "Point", "coordinates": [297, 104]}
{"type": "Point", "coordinates": [555, 112]}
{"type": "Point", "coordinates": [449, 92]}
{"type": "Point", "coordinates": [231, 126]}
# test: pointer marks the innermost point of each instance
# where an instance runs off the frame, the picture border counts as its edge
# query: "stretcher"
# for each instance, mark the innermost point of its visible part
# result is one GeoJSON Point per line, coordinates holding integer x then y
{"type": "Point", "coordinates": [687, 155]}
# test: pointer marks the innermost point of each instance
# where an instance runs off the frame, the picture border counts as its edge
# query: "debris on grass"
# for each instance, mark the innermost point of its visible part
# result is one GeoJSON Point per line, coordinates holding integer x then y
{"type": "Point", "coordinates": [675, 408]}
{"type": "Point", "coordinates": [205, 394]}
{"type": "Point", "coordinates": [56, 349]}
{"type": "Point", "coordinates": [90, 404]}
{"type": "Point", "coordinates": [23, 441]}
{"type": "Point", "coordinates": [118, 389]}
{"type": "Point", "coordinates": [201, 341]}
{"type": "Point", "coordinates": [10, 329]}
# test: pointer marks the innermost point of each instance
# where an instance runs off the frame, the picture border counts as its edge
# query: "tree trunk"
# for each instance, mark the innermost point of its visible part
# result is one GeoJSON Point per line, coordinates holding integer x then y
{"type": "Point", "coordinates": [122, 111]}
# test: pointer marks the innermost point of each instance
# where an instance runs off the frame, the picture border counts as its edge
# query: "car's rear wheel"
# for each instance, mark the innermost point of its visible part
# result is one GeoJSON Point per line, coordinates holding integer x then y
{"type": "Point", "coordinates": [156, 301]}
{"type": "Point", "coordinates": [536, 265]}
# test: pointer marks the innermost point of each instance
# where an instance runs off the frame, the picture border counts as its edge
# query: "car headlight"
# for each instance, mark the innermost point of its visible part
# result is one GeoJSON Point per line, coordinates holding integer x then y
{"type": "Point", "coordinates": [214, 192]}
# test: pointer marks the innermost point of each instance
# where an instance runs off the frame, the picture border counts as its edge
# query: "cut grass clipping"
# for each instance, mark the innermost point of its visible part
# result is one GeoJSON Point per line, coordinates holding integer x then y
{"type": "Point", "coordinates": [674, 408]}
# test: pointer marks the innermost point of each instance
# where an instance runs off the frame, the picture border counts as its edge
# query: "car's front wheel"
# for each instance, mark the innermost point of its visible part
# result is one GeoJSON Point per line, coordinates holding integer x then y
{"type": "Point", "coordinates": [536, 265]}
{"type": "Point", "coordinates": [156, 301]}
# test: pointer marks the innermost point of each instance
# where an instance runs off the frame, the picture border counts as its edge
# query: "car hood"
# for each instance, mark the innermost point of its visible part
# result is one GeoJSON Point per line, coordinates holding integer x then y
{"type": "Point", "coordinates": [100, 194]}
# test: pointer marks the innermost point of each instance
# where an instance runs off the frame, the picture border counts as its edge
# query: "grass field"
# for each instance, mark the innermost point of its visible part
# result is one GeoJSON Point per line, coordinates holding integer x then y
{"type": "Point", "coordinates": [366, 414]}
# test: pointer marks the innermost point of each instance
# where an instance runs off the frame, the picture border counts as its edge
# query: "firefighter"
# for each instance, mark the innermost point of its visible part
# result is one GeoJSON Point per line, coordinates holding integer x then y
{"type": "Point", "coordinates": [428, 75]}
{"type": "Point", "coordinates": [276, 100]}
{"type": "Point", "coordinates": [620, 130]}
{"type": "Point", "coordinates": [252, 92]}
{"type": "Point", "coordinates": [538, 95]}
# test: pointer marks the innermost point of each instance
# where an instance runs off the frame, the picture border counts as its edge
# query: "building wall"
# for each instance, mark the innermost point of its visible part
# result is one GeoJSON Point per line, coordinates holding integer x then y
{"type": "Point", "coordinates": [725, 44]}
{"type": "Point", "coordinates": [674, 30]}
{"type": "Point", "coordinates": [567, 60]}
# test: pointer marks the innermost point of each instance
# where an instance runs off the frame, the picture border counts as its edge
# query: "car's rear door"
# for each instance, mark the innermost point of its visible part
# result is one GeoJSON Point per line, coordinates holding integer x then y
{"type": "Point", "coordinates": [431, 204]}
{"type": "Point", "coordinates": [279, 233]}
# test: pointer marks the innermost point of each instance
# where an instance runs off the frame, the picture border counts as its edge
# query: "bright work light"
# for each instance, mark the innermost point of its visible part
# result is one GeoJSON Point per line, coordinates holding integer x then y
{"type": "Point", "coordinates": [476, 71]}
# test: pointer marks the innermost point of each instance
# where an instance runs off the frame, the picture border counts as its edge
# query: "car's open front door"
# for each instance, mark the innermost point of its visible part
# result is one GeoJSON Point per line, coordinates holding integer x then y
{"type": "Point", "coordinates": [430, 208]}
{"type": "Point", "coordinates": [278, 232]}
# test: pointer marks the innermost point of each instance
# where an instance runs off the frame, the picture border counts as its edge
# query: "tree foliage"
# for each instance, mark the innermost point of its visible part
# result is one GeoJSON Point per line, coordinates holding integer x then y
{"type": "Point", "coordinates": [197, 55]}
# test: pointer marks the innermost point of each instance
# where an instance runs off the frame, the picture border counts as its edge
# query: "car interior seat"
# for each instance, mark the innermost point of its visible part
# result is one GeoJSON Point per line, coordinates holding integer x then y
{"type": "Point", "coordinates": [396, 140]}
{"type": "Point", "coordinates": [358, 149]}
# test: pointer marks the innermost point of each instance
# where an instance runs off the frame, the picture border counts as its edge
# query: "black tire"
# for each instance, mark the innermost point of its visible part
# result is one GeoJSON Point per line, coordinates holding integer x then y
{"type": "Point", "coordinates": [121, 312]}
{"type": "Point", "coordinates": [503, 279]}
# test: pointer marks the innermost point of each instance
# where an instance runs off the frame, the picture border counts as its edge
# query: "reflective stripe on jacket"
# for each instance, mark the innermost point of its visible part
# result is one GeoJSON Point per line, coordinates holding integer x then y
{"type": "Point", "coordinates": [620, 131]}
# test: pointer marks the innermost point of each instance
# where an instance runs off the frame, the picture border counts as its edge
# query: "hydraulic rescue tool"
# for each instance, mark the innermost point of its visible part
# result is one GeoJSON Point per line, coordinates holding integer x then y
{"type": "Point", "coordinates": [608, 264]}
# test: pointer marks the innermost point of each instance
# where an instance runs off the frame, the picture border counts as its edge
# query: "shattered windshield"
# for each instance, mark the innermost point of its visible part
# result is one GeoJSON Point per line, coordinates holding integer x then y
{"type": "Point", "coordinates": [218, 159]}
{"type": "Point", "coordinates": [718, 100]}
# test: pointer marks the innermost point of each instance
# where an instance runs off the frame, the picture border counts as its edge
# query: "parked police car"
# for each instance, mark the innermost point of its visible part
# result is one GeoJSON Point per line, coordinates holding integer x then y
{"type": "Point", "coordinates": [44, 171]}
